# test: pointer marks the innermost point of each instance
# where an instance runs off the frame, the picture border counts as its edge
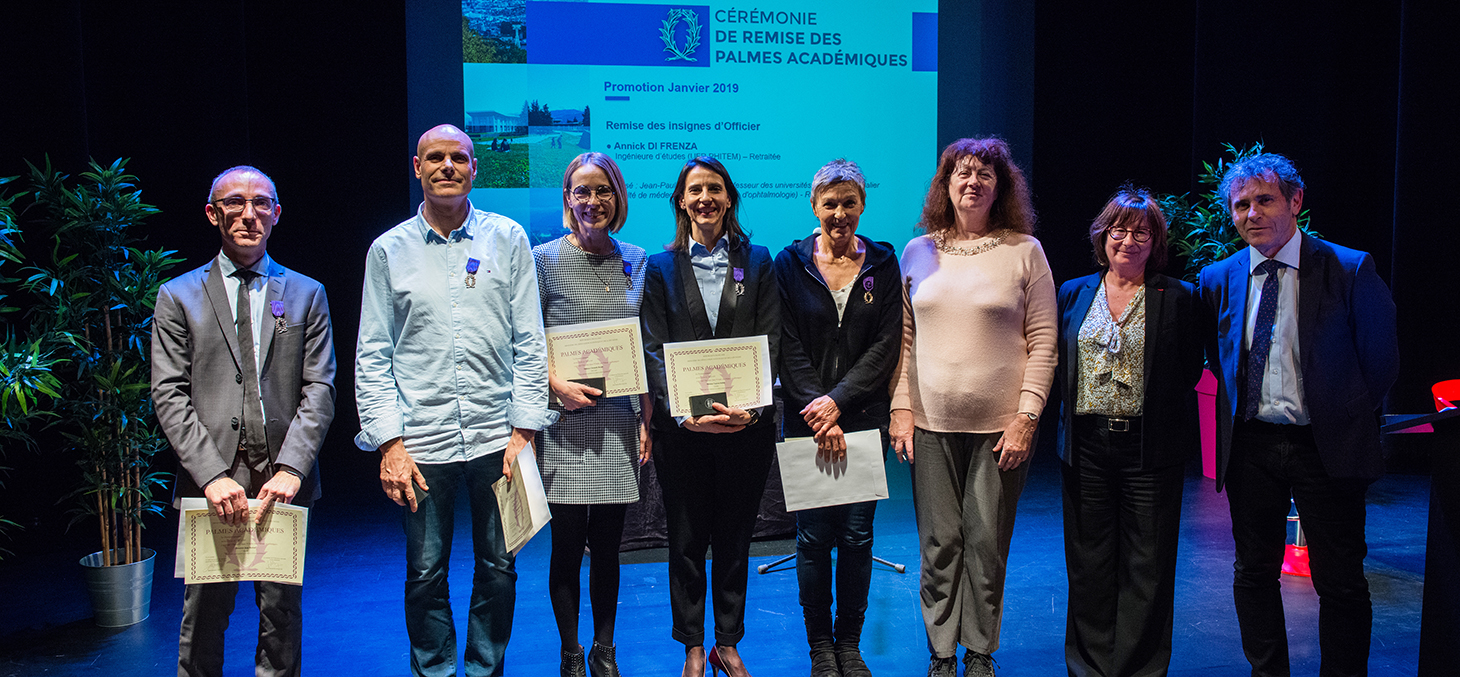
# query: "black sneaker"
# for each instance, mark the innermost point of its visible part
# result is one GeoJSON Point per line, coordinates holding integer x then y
{"type": "Point", "coordinates": [977, 664]}
{"type": "Point", "coordinates": [943, 667]}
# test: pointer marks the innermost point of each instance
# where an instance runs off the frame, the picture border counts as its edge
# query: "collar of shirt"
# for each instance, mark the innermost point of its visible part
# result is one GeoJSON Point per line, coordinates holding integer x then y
{"type": "Point", "coordinates": [466, 231]}
{"type": "Point", "coordinates": [697, 250]}
{"type": "Point", "coordinates": [228, 266]}
{"type": "Point", "coordinates": [1288, 255]}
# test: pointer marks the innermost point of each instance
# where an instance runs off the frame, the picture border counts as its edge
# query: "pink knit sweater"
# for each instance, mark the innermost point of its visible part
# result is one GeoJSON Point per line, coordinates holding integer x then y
{"type": "Point", "coordinates": [978, 335]}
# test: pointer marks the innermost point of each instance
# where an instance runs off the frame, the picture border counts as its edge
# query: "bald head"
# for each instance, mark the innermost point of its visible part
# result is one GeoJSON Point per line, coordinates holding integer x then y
{"type": "Point", "coordinates": [240, 171]}
{"type": "Point", "coordinates": [442, 133]}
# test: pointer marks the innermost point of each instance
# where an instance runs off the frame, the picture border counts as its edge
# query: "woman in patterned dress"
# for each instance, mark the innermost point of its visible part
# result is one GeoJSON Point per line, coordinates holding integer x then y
{"type": "Point", "coordinates": [1130, 353]}
{"type": "Point", "coordinates": [590, 458]}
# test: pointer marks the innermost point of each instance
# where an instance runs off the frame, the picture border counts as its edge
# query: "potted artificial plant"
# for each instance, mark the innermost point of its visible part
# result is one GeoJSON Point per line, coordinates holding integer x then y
{"type": "Point", "coordinates": [87, 336]}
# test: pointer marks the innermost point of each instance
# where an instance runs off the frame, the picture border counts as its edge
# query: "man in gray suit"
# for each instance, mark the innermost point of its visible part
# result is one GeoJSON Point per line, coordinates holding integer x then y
{"type": "Point", "coordinates": [243, 370]}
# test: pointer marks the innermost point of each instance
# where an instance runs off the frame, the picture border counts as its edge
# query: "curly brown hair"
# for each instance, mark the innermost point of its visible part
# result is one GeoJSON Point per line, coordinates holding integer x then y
{"type": "Point", "coordinates": [1012, 209]}
{"type": "Point", "coordinates": [1129, 207]}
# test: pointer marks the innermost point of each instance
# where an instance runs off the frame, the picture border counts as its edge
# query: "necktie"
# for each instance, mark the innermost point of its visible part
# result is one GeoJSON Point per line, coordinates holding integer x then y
{"type": "Point", "coordinates": [1262, 334]}
{"type": "Point", "coordinates": [251, 439]}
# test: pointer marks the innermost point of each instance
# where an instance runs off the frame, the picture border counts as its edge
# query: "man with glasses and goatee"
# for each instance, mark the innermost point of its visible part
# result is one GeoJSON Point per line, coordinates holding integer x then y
{"type": "Point", "coordinates": [243, 370]}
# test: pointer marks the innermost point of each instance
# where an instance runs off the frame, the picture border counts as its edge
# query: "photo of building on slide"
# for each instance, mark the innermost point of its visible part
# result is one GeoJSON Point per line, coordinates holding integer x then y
{"type": "Point", "coordinates": [494, 31]}
{"type": "Point", "coordinates": [529, 148]}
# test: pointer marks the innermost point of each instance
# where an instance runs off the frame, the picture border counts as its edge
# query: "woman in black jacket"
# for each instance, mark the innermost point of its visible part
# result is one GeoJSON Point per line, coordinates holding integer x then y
{"type": "Point", "coordinates": [1131, 351]}
{"type": "Point", "coordinates": [841, 327]}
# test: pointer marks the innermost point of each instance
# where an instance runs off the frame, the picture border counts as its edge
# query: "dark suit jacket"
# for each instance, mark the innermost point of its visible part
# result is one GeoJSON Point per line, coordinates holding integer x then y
{"type": "Point", "coordinates": [1177, 327]}
{"type": "Point", "coordinates": [197, 387]}
{"type": "Point", "coordinates": [673, 310]}
{"type": "Point", "coordinates": [1347, 349]}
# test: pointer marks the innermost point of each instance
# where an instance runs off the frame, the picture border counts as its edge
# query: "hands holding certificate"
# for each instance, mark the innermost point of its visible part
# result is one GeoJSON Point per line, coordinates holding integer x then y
{"type": "Point", "coordinates": [729, 420]}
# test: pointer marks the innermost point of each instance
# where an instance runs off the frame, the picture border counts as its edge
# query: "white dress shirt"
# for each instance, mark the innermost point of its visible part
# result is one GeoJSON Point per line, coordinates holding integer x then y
{"type": "Point", "coordinates": [1281, 400]}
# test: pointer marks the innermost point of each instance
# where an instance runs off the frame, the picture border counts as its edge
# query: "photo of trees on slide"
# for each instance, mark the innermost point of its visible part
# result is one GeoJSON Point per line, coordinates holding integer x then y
{"type": "Point", "coordinates": [494, 31]}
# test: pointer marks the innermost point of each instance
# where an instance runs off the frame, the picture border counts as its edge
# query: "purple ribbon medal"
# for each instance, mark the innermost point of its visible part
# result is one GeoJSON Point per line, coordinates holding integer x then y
{"type": "Point", "coordinates": [740, 282]}
{"type": "Point", "coordinates": [629, 274]}
{"type": "Point", "coordinates": [472, 265]}
{"type": "Point", "coordinates": [867, 285]}
{"type": "Point", "coordinates": [277, 309]}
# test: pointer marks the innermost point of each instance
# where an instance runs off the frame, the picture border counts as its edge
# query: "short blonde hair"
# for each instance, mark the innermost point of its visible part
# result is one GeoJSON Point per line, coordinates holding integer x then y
{"type": "Point", "coordinates": [615, 181]}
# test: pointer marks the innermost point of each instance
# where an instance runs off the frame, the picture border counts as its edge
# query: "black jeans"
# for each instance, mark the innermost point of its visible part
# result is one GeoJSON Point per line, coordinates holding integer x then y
{"type": "Point", "coordinates": [712, 486]}
{"type": "Point", "coordinates": [1122, 525]}
{"type": "Point", "coordinates": [1270, 465]}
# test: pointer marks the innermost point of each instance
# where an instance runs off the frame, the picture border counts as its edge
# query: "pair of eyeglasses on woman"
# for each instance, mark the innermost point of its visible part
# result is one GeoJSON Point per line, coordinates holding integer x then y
{"type": "Point", "coordinates": [235, 204]}
{"type": "Point", "coordinates": [584, 193]}
{"type": "Point", "coordinates": [1120, 233]}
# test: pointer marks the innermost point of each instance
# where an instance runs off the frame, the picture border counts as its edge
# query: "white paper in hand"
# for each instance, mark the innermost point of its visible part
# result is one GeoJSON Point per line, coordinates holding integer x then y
{"type": "Point", "coordinates": [809, 482]}
{"type": "Point", "coordinates": [522, 501]}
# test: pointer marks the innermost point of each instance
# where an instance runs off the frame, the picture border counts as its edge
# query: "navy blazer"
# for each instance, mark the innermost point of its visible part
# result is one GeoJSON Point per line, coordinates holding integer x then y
{"type": "Point", "coordinates": [1177, 326]}
{"type": "Point", "coordinates": [673, 311]}
{"type": "Point", "coordinates": [1347, 348]}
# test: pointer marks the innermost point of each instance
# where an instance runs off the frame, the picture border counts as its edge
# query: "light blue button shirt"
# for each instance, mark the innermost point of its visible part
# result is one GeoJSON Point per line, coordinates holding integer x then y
{"type": "Point", "coordinates": [710, 266]}
{"type": "Point", "coordinates": [448, 367]}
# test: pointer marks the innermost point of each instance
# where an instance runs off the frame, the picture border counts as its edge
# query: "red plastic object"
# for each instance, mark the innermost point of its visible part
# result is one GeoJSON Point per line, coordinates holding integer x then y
{"type": "Point", "coordinates": [1446, 393]}
{"type": "Point", "coordinates": [1295, 561]}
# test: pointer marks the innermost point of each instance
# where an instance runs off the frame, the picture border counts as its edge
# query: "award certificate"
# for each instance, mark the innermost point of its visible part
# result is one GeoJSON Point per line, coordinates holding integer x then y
{"type": "Point", "coordinates": [612, 350]}
{"type": "Point", "coordinates": [809, 482]}
{"type": "Point", "coordinates": [740, 368]}
{"type": "Point", "coordinates": [210, 551]}
{"type": "Point", "coordinates": [522, 501]}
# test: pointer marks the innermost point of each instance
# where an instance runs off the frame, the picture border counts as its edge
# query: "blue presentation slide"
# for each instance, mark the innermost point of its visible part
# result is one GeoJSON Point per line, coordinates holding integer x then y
{"type": "Point", "coordinates": [773, 93]}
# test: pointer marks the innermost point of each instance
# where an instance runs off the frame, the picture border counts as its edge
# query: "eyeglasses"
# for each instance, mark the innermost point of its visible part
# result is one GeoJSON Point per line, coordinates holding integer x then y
{"type": "Point", "coordinates": [235, 204]}
{"type": "Point", "coordinates": [1120, 233]}
{"type": "Point", "coordinates": [584, 193]}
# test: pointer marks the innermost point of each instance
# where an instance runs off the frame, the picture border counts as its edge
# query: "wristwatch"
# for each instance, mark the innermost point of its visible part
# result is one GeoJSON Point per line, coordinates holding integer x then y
{"type": "Point", "coordinates": [1032, 417]}
{"type": "Point", "coordinates": [754, 417]}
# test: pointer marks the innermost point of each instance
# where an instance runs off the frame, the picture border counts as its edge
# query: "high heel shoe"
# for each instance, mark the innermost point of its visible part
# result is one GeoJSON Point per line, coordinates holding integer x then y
{"type": "Point", "coordinates": [693, 667]}
{"type": "Point", "coordinates": [717, 662]}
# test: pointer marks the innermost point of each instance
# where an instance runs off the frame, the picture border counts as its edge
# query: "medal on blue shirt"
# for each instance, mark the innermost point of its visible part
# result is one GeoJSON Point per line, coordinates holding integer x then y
{"type": "Point", "coordinates": [867, 285]}
{"type": "Point", "coordinates": [740, 282]}
{"type": "Point", "coordinates": [471, 272]}
{"type": "Point", "coordinates": [277, 309]}
{"type": "Point", "coordinates": [629, 274]}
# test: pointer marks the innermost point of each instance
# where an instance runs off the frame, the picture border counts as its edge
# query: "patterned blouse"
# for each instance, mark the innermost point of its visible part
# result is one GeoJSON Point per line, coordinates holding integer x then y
{"type": "Point", "coordinates": [1112, 354]}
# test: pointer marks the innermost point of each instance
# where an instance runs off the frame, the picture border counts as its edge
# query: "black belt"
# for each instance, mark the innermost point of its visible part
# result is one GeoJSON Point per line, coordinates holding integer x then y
{"type": "Point", "coordinates": [1115, 424]}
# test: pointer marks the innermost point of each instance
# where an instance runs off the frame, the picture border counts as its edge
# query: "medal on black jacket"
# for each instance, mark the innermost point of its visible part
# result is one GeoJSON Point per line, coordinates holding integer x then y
{"type": "Point", "coordinates": [277, 309]}
{"type": "Point", "coordinates": [471, 272]}
{"type": "Point", "coordinates": [867, 285]}
{"type": "Point", "coordinates": [740, 282]}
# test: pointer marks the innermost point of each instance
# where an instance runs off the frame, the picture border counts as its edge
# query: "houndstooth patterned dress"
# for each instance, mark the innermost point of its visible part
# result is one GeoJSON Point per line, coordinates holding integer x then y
{"type": "Point", "coordinates": [590, 455]}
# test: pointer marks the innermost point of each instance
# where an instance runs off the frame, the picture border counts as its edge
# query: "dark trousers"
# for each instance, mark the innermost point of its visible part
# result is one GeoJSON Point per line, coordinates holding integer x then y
{"type": "Point", "coordinates": [1270, 465]}
{"type": "Point", "coordinates": [601, 528]}
{"type": "Point", "coordinates": [1121, 530]}
{"type": "Point", "coordinates": [712, 485]}
{"type": "Point", "coordinates": [428, 557]}
{"type": "Point", "coordinates": [848, 528]}
{"type": "Point", "coordinates": [206, 608]}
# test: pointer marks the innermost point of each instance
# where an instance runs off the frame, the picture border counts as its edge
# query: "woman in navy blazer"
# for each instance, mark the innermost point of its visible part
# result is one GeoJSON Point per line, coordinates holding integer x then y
{"type": "Point", "coordinates": [1128, 424]}
{"type": "Point", "coordinates": [711, 468]}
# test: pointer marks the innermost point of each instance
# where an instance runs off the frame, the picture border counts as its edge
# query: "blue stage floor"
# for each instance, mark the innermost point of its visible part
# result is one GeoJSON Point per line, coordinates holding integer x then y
{"type": "Point", "coordinates": [354, 624]}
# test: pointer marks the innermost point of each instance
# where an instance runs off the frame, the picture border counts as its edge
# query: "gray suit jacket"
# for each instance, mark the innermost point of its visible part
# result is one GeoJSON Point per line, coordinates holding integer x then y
{"type": "Point", "coordinates": [197, 384]}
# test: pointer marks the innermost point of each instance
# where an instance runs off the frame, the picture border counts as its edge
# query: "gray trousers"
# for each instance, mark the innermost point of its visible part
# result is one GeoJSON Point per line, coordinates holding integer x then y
{"type": "Point", "coordinates": [965, 511]}
{"type": "Point", "coordinates": [206, 608]}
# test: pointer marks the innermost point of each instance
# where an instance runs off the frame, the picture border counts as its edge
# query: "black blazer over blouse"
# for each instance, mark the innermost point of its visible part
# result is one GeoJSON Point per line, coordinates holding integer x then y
{"type": "Point", "coordinates": [1178, 325]}
{"type": "Point", "coordinates": [673, 311]}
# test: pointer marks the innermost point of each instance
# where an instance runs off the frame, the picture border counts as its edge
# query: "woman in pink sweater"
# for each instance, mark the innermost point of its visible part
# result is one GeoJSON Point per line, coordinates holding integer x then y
{"type": "Point", "coordinates": [978, 358]}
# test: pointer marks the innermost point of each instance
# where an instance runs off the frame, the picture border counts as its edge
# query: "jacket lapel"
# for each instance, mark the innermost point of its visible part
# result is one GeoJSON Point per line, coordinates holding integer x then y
{"type": "Point", "coordinates": [218, 298]}
{"type": "Point", "coordinates": [1237, 275]}
{"type": "Point", "coordinates": [1078, 311]}
{"type": "Point", "coordinates": [694, 303]}
{"type": "Point", "coordinates": [275, 293]}
{"type": "Point", "coordinates": [1155, 304]}
{"type": "Point", "coordinates": [729, 300]}
{"type": "Point", "coordinates": [1311, 269]}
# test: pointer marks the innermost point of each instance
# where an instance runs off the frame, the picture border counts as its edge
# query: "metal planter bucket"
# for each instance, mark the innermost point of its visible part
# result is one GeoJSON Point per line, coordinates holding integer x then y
{"type": "Point", "coordinates": [121, 595]}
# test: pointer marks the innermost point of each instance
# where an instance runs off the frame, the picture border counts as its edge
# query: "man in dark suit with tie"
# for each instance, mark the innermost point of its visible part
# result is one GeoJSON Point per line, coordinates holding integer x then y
{"type": "Point", "coordinates": [243, 369]}
{"type": "Point", "coordinates": [1306, 337]}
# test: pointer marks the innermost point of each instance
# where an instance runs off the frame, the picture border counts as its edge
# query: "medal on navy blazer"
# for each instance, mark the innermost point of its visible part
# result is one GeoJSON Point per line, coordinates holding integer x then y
{"type": "Point", "coordinates": [867, 285]}
{"type": "Point", "coordinates": [277, 309]}
{"type": "Point", "coordinates": [472, 265]}
{"type": "Point", "coordinates": [740, 282]}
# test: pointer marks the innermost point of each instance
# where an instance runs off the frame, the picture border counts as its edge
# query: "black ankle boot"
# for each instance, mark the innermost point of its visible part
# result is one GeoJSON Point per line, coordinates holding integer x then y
{"type": "Point", "coordinates": [848, 646]}
{"type": "Point", "coordinates": [601, 662]}
{"type": "Point", "coordinates": [572, 665]}
{"type": "Point", "coordinates": [823, 660]}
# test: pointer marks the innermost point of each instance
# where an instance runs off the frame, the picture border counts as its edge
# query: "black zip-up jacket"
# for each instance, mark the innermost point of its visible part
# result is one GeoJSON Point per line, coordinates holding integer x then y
{"type": "Point", "coordinates": [853, 362]}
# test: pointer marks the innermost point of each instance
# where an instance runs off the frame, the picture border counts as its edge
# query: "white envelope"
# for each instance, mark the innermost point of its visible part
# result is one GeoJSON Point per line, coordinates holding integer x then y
{"type": "Point", "coordinates": [809, 482]}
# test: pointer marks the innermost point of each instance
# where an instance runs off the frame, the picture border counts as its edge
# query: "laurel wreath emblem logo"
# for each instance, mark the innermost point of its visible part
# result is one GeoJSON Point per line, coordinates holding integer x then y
{"type": "Point", "coordinates": [691, 33]}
